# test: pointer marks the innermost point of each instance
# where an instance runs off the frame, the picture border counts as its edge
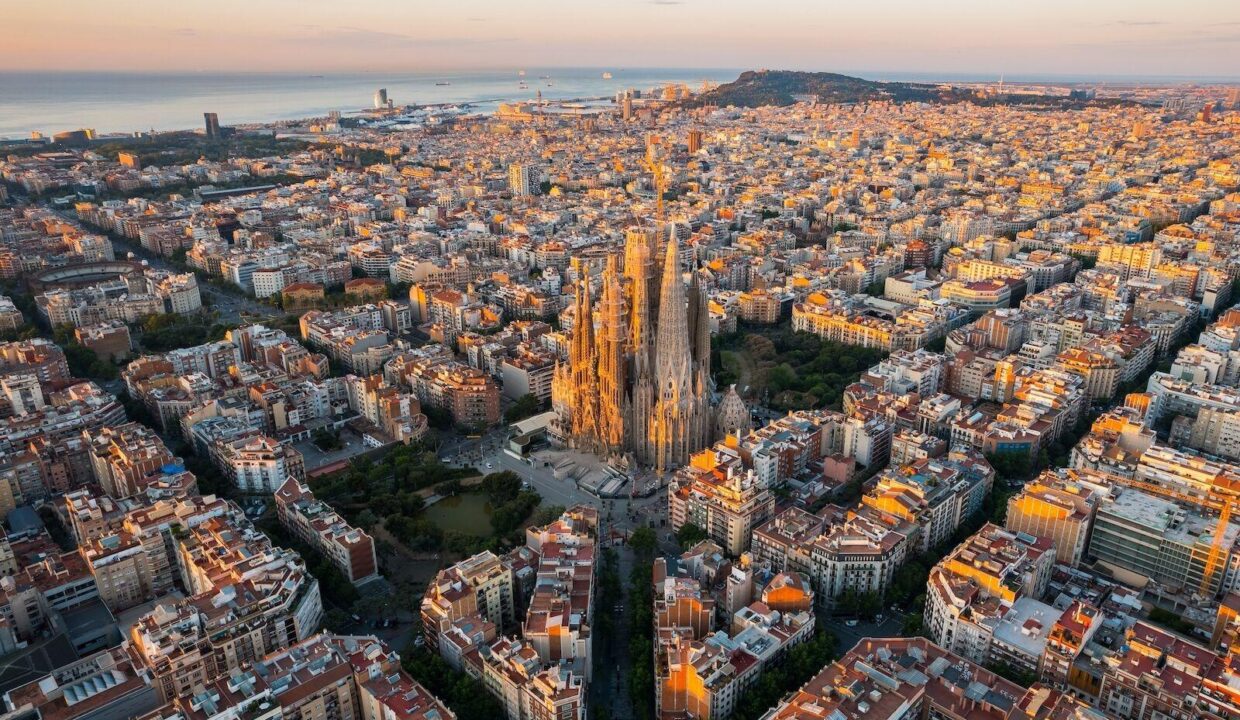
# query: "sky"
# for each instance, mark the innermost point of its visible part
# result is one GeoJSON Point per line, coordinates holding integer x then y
{"type": "Point", "coordinates": [1077, 37]}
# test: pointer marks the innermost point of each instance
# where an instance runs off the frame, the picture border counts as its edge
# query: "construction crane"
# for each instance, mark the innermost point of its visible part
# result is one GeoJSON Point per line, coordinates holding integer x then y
{"type": "Point", "coordinates": [1216, 545]}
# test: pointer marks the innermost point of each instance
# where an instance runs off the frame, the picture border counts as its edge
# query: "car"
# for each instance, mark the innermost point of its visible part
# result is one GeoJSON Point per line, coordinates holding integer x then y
{"type": "Point", "coordinates": [851, 623]}
{"type": "Point", "coordinates": [490, 465]}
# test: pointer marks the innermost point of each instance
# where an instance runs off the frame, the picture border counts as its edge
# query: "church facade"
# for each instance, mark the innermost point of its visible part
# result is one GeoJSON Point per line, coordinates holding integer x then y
{"type": "Point", "coordinates": [630, 385]}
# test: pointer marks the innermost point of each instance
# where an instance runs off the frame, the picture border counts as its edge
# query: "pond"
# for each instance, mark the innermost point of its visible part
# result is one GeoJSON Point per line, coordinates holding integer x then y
{"type": "Point", "coordinates": [466, 513]}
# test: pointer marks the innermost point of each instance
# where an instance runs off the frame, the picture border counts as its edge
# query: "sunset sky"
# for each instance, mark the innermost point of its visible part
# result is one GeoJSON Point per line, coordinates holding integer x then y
{"type": "Point", "coordinates": [1114, 37]}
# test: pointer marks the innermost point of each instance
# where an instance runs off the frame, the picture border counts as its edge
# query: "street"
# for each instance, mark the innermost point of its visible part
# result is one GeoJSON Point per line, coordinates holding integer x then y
{"type": "Point", "coordinates": [890, 626]}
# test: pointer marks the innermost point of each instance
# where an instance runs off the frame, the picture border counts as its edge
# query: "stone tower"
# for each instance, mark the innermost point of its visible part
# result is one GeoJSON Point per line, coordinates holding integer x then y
{"type": "Point", "coordinates": [671, 425]}
{"type": "Point", "coordinates": [640, 402]}
{"type": "Point", "coordinates": [732, 417]}
{"type": "Point", "coordinates": [583, 368]}
{"type": "Point", "coordinates": [611, 344]}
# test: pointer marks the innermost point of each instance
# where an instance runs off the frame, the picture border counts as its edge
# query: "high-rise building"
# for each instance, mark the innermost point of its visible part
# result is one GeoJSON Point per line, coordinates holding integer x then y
{"type": "Point", "coordinates": [381, 98]}
{"type": "Point", "coordinates": [695, 141]}
{"type": "Point", "coordinates": [626, 107]}
{"type": "Point", "coordinates": [637, 392]}
{"type": "Point", "coordinates": [522, 180]}
{"type": "Point", "coordinates": [212, 121]}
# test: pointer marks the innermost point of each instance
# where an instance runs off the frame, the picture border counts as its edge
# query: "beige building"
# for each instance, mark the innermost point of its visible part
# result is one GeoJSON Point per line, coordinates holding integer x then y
{"type": "Point", "coordinates": [718, 494]}
{"type": "Point", "coordinates": [1060, 507]}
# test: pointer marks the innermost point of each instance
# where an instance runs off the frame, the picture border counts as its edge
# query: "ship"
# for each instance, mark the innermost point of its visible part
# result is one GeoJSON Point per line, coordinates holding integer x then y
{"type": "Point", "coordinates": [606, 76]}
{"type": "Point", "coordinates": [443, 83]}
{"type": "Point", "coordinates": [520, 73]}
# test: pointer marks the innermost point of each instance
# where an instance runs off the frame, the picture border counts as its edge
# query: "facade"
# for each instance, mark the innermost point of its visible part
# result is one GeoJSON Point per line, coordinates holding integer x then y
{"type": "Point", "coordinates": [1142, 536]}
{"type": "Point", "coordinates": [718, 494]}
{"type": "Point", "coordinates": [259, 464]}
{"type": "Point", "coordinates": [110, 340]}
{"type": "Point", "coordinates": [1058, 507]}
{"type": "Point", "coordinates": [315, 523]}
{"type": "Point", "coordinates": [630, 387]}
{"type": "Point", "coordinates": [480, 585]}
{"type": "Point", "coordinates": [980, 583]}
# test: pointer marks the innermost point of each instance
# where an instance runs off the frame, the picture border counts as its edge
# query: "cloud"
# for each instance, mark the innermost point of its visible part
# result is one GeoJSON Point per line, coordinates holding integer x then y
{"type": "Point", "coordinates": [1139, 23]}
{"type": "Point", "coordinates": [185, 32]}
{"type": "Point", "coordinates": [667, 2]}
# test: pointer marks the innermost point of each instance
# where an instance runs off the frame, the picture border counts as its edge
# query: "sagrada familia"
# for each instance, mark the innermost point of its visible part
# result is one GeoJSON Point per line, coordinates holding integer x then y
{"type": "Point", "coordinates": [632, 386]}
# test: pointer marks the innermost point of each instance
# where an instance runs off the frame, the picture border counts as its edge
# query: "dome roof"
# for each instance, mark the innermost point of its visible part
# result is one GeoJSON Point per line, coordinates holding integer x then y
{"type": "Point", "coordinates": [732, 417]}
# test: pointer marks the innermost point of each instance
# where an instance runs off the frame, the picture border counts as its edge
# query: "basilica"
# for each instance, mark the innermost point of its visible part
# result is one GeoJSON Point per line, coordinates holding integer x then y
{"type": "Point", "coordinates": [631, 386]}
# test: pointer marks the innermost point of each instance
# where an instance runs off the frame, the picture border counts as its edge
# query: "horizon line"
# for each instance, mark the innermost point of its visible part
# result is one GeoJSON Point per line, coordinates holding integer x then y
{"type": "Point", "coordinates": [923, 75]}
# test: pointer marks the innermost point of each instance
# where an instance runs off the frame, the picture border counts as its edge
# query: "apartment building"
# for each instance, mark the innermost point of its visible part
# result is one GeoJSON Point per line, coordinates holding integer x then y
{"type": "Point", "coordinates": [978, 584]}
{"type": "Point", "coordinates": [718, 494]}
{"type": "Point", "coordinates": [315, 523]}
{"type": "Point", "coordinates": [899, 678]}
{"type": "Point", "coordinates": [1059, 506]}
{"type": "Point", "coordinates": [258, 464]}
{"type": "Point", "coordinates": [1142, 536]}
{"type": "Point", "coordinates": [124, 457]}
{"type": "Point", "coordinates": [935, 494]}
{"type": "Point", "coordinates": [244, 599]}
{"type": "Point", "coordinates": [482, 584]}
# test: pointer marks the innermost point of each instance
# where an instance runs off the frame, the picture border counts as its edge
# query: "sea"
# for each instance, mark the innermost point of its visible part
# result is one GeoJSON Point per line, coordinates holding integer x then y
{"type": "Point", "coordinates": [115, 102]}
{"type": "Point", "coordinates": [120, 102]}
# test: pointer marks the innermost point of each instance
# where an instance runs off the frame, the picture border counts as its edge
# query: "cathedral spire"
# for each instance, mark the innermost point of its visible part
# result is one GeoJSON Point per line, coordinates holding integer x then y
{"type": "Point", "coordinates": [583, 365]}
{"type": "Point", "coordinates": [673, 331]}
{"type": "Point", "coordinates": [611, 360]}
{"type": "Point", "coordinates": [672, 423]}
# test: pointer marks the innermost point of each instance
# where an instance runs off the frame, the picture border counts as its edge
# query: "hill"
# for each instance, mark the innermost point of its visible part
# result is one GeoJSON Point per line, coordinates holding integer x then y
{"type": "Point", "coordinates": [779, 87]}
{"type": "Point", "coordinates": [755, 88]}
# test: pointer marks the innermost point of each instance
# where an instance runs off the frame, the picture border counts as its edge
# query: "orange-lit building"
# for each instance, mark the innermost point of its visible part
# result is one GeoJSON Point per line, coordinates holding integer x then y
{"type": "Point", "coordinates": [1058, 506]}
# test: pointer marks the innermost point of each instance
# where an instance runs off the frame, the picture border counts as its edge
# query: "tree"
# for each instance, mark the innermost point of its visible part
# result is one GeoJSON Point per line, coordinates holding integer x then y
{"type": "Point", "coordinates": [547, 515]}
{"type": "Point", "coordinates": [913, 625]}
{"type": "Point", "coordinates": [335, 619]}
{"type": "Point", "coordinates": [463, 694]}
{"type": "Point", "coordinates": [799, 665]}
{"type": "Point", "coordinates": [326, 440]}
{"type": "Point", "coordinates": [524, 407]}
{"type": "Point", "coordinates": [689, 535]}
{"type": "Point", "coordinates": [502, 487]}
{"type": "Point", "coordinates": [645, 543]}
{"type": "Point", "coordinates": [1024, 678]}
{"type": "Point", "coordinates": [1011, 465]}
{"type": "Point", "coordinates": [366, 519]}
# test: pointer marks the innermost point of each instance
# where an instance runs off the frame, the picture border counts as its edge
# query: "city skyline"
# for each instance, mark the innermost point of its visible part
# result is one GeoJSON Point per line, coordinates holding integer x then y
{"type": "Point", "coordinates": [1132, 39]}
{"type": "Point", "coordinates": [338, 381]}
